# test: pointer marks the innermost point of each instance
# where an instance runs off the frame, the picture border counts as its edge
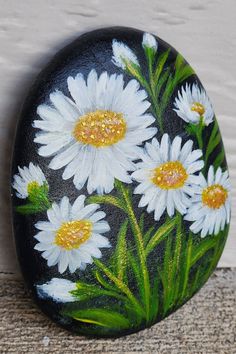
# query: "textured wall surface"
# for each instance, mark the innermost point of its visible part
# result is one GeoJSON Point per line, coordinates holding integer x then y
{"type": "Point", "coordinates": [31, 32]}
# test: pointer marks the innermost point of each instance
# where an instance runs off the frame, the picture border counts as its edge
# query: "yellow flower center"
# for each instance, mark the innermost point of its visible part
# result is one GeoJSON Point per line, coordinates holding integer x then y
{"type": "Point", "coordinates": [32, 186]}
{"type": "Point", "coordinates": [73, 234]}
{"type": "Point", "coordinates": [214, 196]}
{"type": "Point", "coordinates": [100, 128]}
{"type": "Point", "coordinates": [170, 175]}
{"type": "Point", "coordinates": [198, 107]}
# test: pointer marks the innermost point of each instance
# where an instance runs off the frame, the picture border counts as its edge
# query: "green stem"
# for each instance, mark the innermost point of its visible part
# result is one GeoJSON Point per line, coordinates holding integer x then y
{"type": "Point", "coordinates": [199, 133]}
{"type": "Point", "coordinates": [166, 275]}
{"type": "Point", "coordinates": [120, 285]}
{"type": "Point", "coordinates": [178, 247]}
{"type": "Point", "coordinates": [173, 276]}
{"type": "Point", "coordinates": [151, 92]}
{"type": "Point", "coordinates": [187, 267]}
{"type": "Point", "coordinates": [140, 246]}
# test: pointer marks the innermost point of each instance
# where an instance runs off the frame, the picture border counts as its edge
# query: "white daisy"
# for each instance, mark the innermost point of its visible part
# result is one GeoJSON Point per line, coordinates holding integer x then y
{"type": "Point", "coordinates": [57, 289]}
{"type": "Point", "coordinates": [96, 135]}
{"type": "Point", "coordinates": [193, 104]}
{"type": "Point", "coordinates": [123, 56]}
{"type": "Point", "coordinates": [28, 179]}
{"type": "Point", "coordinates": [167, 175]}
{"type": "Point", "coordinates": [72, 236]}
{"type": "Point", "coordinates": [210, 208]}
{"type": "Point", "coordinates": [149, 41]}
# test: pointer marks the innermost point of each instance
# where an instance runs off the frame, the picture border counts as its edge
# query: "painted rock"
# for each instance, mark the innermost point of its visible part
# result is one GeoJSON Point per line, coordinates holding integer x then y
{"type": "Point", "coordinates": [120, 187]}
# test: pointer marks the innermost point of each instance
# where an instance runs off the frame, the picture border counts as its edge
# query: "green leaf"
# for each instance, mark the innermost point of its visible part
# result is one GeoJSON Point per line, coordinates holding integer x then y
{"type": "Point", "coordinates": [103, 282]}
{"type": "Point", "coordinates": [154, 298]}
{"type": "Point", "coordinates": [101, 317]}
{"type": "Point", "coordinates": [166, 273]}
{"type": "Point", "coordinates": [160, 234]}
{"type": "Point", "coordinates": [135, 267]}
{"type": "Point", "coordinates": [106, 199]}
{"type": "Point", "coordinates": [147, 235]}
{"type": "Point", "coordinates": [121, 251]}
{"type": "Point", "coordinates": [121, 286]}
{"type": "Point", "coordinates": [38, 194]}
{"type": "Point", "coordinates": [220, 159]}
{"type": "Point", "coordinates": [162, 81]}
{"type": "Point", "coordinates": [160, 64]}
{"type": "Point", "coordinates": [182, 69]}
{"type": "Point", "coordinates": [86, 291]}
{"type": "Point", "coordinates": [29, 208]}
{"type": "Point", "coordinates": [141, 222]}
{"type": "Point", "coordinates": [213, 144]}
{"type": "Point", "coordinates": [185, 269]}
{"type": "Point", "coordinates": [201, 249]}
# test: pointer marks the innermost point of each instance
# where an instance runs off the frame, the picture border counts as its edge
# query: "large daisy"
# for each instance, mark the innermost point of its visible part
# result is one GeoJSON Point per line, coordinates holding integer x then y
{"type": "Point", "coordinates": [72, 235]}
{"type": "Point", "coordinates": [95, 135]}
{"type": "Point", "coordinates": [210, 208]}
{"type": "Point", "coordinates": [167, 175]}
{"type": "Point", "coordinates": [28, 180]}
{"type": "Point", "coordinates": [192, 105]}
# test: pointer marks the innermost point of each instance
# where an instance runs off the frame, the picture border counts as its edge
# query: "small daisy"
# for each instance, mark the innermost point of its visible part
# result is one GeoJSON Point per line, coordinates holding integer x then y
{"type": "Point", "coordinates": [167, 175]}
{"type": "Point", "coordinates": [149, 41]}
{"type": "Point", "coordinates": [123, 56]}
{"type": "Point", "coordinates": [95, 136]}
{"type": "Point", "coordinates": [28, 179]}
{"type": "Point", "coordinates": [57, 289]}
{"type": "Point", "coordinates": [193, 105]}
{"type": "Point", "coordinates": [72, 236]}
{"type": "Point", "coordinates": [210, 208]}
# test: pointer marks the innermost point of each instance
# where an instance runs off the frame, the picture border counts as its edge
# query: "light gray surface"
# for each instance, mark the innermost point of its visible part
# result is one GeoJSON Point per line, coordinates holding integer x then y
{"type": "Point", "coordinates": [31, 32]}
{"type": "Point", "coordinates": [206, 325]}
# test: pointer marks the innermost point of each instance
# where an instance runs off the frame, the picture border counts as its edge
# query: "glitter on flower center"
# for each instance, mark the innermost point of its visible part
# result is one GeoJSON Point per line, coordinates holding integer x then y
{"type": "Point", "coordinates": [169, 175]}
{"type": "Point", "coordinates": [72, 234]}
{"type": "Point", "coordinates": [214, 196]}
{"type": "Point", "coordinates": [32, 186]}
{"type": "Point", "coordinates": [198, 107]}
{"type": "Point", "coordinates": [100, 128]}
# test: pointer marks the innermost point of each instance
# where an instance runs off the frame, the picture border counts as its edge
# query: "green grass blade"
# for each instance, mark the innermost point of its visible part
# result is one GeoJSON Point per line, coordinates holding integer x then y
{"type": "Point", "coordinates": [160, 65]}
{"type": "Point", "coordinates": [101, 317]}
{"type": "Point", "coordinates": [163, 78]}
{"type": "Point", "coordinates": [136, 271]}
{"type": "Point", "coordinates": [175, 271]}
{"type": "Point", "coordinates": [147, 235]}
{"type": "Point", "coordinates": [106, 199]}
{"type": "Point", "coordinates": [121, 286]}
{"type": "Point", "coordinates": [185, 269]}
{"type": "Point", "coordinates": [138, 237]}
{"type": "Point", "coordinates": [141, 222]}
{"type": "Point", "coordinates": [166, 273]}
{"type": "Point", "coordinates": [160, 235]}
{"type": "Point", "coordinates": [120, 255]}
{"type": "Point", "coordinates": [200, 250]}
{"type": "Point", "coordinates": [154, 299]}
{"type": "Point", "coordinates": [30, 208]}
{"type": "Point", "coordinates": [220, 159]}
{"type": "Point", "coordinates": [85, 291]}
{"type": "Point", "coordinates": [103, 282]}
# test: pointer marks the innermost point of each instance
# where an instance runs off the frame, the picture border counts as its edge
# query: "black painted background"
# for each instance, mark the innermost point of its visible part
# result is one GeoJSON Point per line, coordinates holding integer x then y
{"type": "Point", "coordinates": [90, 51]}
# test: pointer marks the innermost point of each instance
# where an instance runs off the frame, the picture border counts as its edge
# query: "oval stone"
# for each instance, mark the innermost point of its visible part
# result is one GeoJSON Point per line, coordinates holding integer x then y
{"type": "Point", "coordinates": [120, 187]}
